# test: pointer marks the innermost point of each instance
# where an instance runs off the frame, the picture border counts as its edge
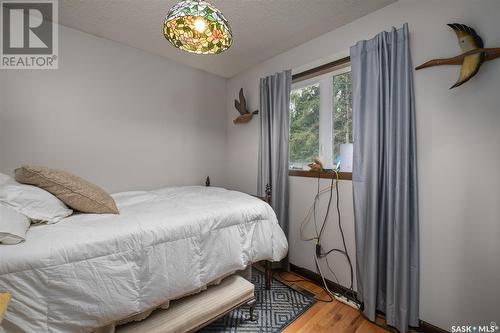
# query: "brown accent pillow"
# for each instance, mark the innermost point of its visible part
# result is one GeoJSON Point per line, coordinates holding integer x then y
{"type": "Point", "coordinates": [74, 191]}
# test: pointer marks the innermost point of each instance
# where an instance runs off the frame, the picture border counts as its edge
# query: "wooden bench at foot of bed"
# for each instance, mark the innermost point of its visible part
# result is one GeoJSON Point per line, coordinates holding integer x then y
{"type": "Point", "coordinates": [191, 313]}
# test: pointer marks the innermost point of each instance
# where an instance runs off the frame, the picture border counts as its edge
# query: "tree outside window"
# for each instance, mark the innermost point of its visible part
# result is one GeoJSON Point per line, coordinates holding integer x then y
{"type": "Point", "coordinates": [320, 119]}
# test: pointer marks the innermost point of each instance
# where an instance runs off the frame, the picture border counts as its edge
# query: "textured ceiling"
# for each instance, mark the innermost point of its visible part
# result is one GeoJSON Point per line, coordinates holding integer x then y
{"type": "Point", "coordinates": [261, 28]}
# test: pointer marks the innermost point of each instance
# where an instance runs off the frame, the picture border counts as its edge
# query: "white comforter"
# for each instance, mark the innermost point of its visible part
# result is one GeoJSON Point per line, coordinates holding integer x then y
{"type": "Point", "coordinates": [88, 271]}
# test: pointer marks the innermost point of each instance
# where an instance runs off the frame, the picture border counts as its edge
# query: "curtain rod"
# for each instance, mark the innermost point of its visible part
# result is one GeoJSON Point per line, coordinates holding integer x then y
{"type": "Point", "coordinates": [325, 68]}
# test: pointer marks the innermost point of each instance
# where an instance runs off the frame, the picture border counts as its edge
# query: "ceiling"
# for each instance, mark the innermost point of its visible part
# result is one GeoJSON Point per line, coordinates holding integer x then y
{"type": "Point", "coordinates": [261, 28]}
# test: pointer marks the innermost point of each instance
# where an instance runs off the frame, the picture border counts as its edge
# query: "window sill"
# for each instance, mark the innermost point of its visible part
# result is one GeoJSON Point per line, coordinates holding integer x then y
{"type": "Point", "coordinates": [323, 174]}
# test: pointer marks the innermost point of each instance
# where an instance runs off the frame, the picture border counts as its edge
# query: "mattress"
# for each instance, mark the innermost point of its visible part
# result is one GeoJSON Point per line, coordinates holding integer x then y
{"type": "Point", "coordinates": [89, 271]}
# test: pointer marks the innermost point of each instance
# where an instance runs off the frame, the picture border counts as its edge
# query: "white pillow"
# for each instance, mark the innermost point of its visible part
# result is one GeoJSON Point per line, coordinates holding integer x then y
{"type": "Point", "coordinates": [5, 179]}
{"type": "Point", "coordinates": [13, 226]}
{"type": "Point", "coordinates": [37, 204]}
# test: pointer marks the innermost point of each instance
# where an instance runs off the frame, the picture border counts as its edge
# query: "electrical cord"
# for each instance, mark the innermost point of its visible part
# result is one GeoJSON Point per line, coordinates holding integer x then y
{"type": "Point", "coordinates": [310, 213]}
{"type": "Point", "coordinates": [344, 251]}
{"type": "Point", "coordinates": [318, 268]}
{"type": "Point", "coordinates": [305, 280]}
{"type": "Point", "coordinates": [320, 254]}
{"type": "Point", "coordinates": [314, 212]}
{"type": "Point", "coordinates": [331, 270]}
{"type": "Point", "coordinates": [329, 203]}
{"type": "Point", "coordinates": [348, 290]}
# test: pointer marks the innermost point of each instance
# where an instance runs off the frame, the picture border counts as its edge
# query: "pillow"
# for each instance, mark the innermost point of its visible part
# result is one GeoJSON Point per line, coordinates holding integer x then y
{"type": "Point", "coordinates": [13, 225]}
{"type": "Point", "coordinates": [4, 179]}
{"type": "Point", "coordinates": [74, 191]}
{"type": "Point", "coordinates": [37, 204]}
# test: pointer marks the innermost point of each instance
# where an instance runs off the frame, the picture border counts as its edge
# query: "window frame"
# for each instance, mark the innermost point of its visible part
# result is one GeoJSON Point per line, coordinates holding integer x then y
{"type": "Point", "coordinates": [324, 76]}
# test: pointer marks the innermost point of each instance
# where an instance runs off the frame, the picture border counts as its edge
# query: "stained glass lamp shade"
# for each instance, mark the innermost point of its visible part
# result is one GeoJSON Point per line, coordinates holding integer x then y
{"type": "Point", "coordinates": [198, 27]}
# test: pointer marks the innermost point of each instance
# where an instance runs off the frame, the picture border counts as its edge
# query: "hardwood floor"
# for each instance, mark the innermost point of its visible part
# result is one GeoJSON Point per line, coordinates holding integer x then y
{"type": "Point", "coordinates": [334, 317]}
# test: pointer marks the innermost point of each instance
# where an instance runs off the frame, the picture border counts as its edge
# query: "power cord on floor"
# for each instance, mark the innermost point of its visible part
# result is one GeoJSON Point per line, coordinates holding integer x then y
{"type": "Point", "coordinates": [305, 280]}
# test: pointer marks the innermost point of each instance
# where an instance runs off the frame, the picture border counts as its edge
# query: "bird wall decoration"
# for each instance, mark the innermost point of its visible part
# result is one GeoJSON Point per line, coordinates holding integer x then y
{"type": "Point", "coordinates": [241, 105]}
{"type": "Point", "coordinates": [472, 58]}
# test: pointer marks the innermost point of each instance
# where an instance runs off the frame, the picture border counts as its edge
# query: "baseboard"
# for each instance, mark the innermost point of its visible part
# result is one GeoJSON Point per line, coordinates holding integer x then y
{"type": "Point", "coordinates": [423, 327]}
{"type": "Point", "coordinates": [429, 328]}
{"type": "Point", "coordinates": [316, 278]}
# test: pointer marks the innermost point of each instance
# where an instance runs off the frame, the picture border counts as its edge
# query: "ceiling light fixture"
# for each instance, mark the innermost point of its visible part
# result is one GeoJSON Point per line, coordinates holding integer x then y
{"type": "Point", "coordinates": [198, 27]}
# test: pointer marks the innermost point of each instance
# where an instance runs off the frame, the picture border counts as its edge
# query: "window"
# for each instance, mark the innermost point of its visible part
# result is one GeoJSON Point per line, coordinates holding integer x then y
{"type": "Point", "coordinates": [321, 121]}
{"type": "Point", "coordinates": [304, 125]}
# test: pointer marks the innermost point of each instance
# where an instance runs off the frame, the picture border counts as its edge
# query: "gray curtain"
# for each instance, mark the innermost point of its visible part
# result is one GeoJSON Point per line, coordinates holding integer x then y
{"type": "Point", "coordinates": [385, 178]}
{"type": "Point", "coordinates": [273, 152]}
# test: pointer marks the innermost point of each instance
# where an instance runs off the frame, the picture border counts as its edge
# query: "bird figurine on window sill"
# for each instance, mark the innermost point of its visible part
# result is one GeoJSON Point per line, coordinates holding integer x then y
{"type": "Point", "coordinates": [241, 105]}
{"type": "Point", "coordinates": [316, 166]}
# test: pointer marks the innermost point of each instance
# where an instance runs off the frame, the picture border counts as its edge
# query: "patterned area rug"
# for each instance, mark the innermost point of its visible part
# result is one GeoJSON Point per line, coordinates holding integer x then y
{"type": "Point", "coordinates": [275, 310]}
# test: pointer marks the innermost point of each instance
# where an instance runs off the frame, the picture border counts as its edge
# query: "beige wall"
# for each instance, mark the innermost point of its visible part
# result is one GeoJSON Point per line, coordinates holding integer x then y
{"type": "Point", "coordinates": [458, 155]}
{"type": "Point", "coordinates": [116, 115]}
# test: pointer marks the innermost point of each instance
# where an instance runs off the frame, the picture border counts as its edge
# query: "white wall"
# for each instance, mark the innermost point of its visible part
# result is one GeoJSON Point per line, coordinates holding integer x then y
{"type": "Point", "coordinates": [115, 115]}
{"type": "Point", "coordinates": [129, 120]}
{"type": "Point", "coordinates": [458, 155]}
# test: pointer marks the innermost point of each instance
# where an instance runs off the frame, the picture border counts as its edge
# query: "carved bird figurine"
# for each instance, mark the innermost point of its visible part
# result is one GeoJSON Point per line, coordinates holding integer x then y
{"type": "Point", "coordinates": [241, 105]}
{"type": "Point", "coordinates": [468, 40]}
{"type": "Point", "coordinates": [317, 165]}
{"type": "Point", "coordinates": [472, 58]}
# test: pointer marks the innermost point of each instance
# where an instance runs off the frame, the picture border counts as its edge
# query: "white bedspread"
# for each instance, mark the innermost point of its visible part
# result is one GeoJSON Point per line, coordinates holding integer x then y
{"type": "Point", "coordinates": [88, 271]}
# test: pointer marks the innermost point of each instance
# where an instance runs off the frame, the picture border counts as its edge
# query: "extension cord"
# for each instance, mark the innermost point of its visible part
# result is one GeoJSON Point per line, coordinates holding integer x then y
{"type": "Point", "coordinates": [346, 301]}
{"type": "Point", "coordinates": [339, 298]}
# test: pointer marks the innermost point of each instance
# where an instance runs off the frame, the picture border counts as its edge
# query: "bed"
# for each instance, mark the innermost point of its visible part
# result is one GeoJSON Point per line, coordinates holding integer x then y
{"type": "Point", "coordinates": [90, 271]}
